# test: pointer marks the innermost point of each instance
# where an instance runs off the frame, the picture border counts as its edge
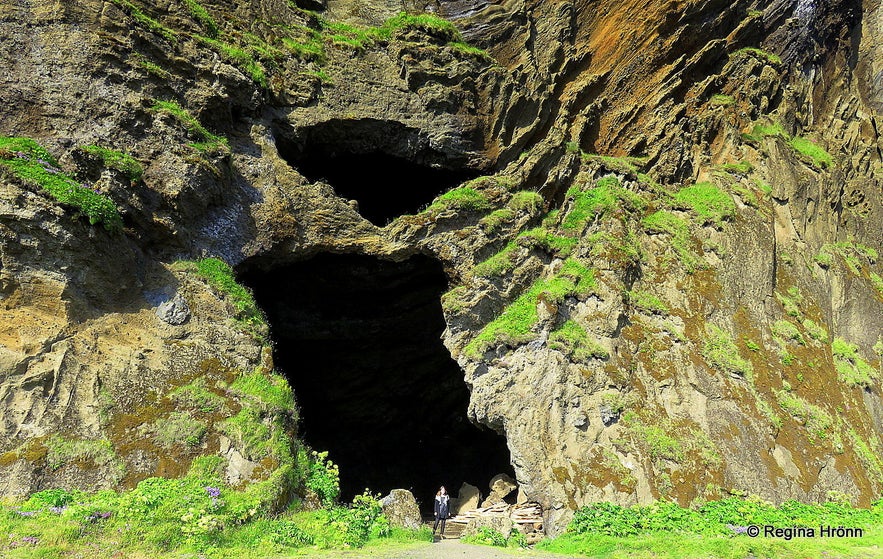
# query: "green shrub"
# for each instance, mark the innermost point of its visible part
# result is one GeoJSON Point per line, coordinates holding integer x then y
{"type": "Point", "coordinates": [707, 201]}
{"type": "Point", "coordinates": [723, 354]}
{"type": "Point", "coordinates": [118, 160]}
{"type": "Point", "coordinates": [486, 536]}
{"type": "Point", "coordinates": [32, 164]}
{"type": "Point", "coordinates": [324, 478]}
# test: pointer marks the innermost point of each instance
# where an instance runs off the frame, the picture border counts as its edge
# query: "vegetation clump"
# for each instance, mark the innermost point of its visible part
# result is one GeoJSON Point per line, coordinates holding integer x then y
{"type": "Point", "coordinates": [33, 165]}
{"type": "Point", "coordinates": [851, 368]}
{"type": "Point", "coordinates": [573, 340]}
{"type": "Point", "coordinates": [462, 198]}
{"type": "Point", "coordinates": [514, 325]}
{"type": "Point", "coordinates": [220, 275]}
{"type": "Point", "coordinates": [722, 353]}
{"type": "Point", "coordinates": [707, 201]}
{"type": "Point", "coordinates": [204, 140]}
{"type": "Point", "coordinates": [664, 221]}
{"type": "Point", "coordinates": [117, 160]}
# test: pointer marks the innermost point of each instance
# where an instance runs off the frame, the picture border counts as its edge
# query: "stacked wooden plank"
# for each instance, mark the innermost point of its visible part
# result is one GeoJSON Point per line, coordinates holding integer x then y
{"type": "Point", "coordinates": [521, 514]}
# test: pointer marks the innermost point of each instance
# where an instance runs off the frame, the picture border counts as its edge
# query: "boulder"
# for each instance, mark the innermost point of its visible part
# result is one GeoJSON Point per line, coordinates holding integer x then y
{"type": "Point", "coordinates": [174, 311]}
{"type": "Point", "coordinates": [500, 523]}
{"type": "Point", "coordinates": [467, 499]}
{"type": "Point", "coordinates": [501, 486]}
{"type": "Point", "coordinates": [400, 507]}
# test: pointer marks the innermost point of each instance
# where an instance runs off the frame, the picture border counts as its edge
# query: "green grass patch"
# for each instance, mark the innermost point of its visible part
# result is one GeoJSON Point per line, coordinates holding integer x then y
{"type": "Point", "coordinates": [310, 48]}
{"type": "Point", "coordinates": [196, 396]}
{"type": "Point", "coordinates": [463, 198]}
{"type": "Point", "coordinates": [117, 160]}
{"type": "Point", "coordinates": [220, 276]}
{"type": "Point", "coordinates": [817, 421]}
{"type": "Point", "coordinates": [194, 128]}
{"type": "Point", "coordinates": [647, 302]}
{"type": "Point", "coordinates": [239, 57]}
{"type": "Point", "coordinates": [851, 368]}
{"type": "Point", "coordinates": [514, 325]}
{"type": "Point", "coordinates": [787, 331]}
{"type": "Point", "coordinates": [146, 21]}
{"type": "Point", "coordinates": [664, 221]}
{"type": "Point", "coordinates": [707, 201]}
{"type": "Point", "coordinates": [177, 429]}
{"type": "Point", "coordinates": [812, 150]}
{"type": "Point", "coordinates": [270, 390]}
{"type": "Point", "coordinates": [791, 301]}
{"type": "Point", "coordinates": [877, 282]}
{"type": "Point", "coordinates": [542, 238]}
{"type": "Point", "coordinates": [62, 451]}
{"type": "Point", "coordinates": [740, 168]}
{"type": "Point", "coordinates": [430, 24]}
{"type": "Point", "coordinates": [201, 15]}
{"type": "Point", "coordinates": [720, 100]}
{"type": "Point", "coordinates": [498, 264]}
{"type": "Point", "coordinates": [722, 353]}
{"type": "Point", "coordinates": [32, 164]}
{"type": "Point", "coordinates": [495, 220]}
{"type": "Point", "coordinates": [760, 54]}
{"type": "Point", "coordinates": [657, 437]}
{"type": "Point", "coordinates": [815, 331]}
{"type": "Point", "coordinates": [526, 201]}
{"type": "Point", "coordinates": [572, 339]}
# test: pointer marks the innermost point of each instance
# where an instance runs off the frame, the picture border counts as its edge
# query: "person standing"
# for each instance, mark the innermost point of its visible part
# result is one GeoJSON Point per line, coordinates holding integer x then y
{"type": "Point", "coordinates": [442, 510]}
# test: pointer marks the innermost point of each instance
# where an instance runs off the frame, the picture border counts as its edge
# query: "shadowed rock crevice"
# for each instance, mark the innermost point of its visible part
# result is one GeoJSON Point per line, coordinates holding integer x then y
{"type": "Point", "coordinates": [359, 340]}
{"type": "Point", "coordinates": [387, 167]}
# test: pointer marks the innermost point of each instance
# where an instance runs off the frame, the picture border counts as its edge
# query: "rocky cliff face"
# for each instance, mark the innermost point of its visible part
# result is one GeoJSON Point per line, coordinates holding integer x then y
{"type": "Point", "coordinates": [659, 226]}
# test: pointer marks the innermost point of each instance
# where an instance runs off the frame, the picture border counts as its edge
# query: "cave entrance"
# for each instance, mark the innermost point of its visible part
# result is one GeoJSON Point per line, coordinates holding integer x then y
{"type": "Point", "coordinates": [387, 167]}
{"type": "Point", "coordinates": [359, 341]}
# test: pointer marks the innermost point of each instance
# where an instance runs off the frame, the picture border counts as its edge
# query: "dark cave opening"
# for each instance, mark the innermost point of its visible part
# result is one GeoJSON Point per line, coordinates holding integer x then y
{"type": "Point", "coordinates": [359, 340]}
{"type": "Point", "coordinates": [387, 168]}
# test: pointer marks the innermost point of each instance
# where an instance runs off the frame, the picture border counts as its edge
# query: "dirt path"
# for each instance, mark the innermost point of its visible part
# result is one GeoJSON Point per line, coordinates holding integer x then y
{"type": "Point", "coordinates": [444, 549]}
{"type": "Point", "coordinates": [455, 549]}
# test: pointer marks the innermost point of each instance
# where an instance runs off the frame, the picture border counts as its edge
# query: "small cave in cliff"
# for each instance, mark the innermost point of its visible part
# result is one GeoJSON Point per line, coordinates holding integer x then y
{"type": "Point", "coordinates": [387, 168]}
{"type": "Point", "coordinates": [359, 340]}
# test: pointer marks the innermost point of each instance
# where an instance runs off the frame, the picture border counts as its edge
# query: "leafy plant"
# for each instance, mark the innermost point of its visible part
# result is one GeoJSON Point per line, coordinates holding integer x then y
{"type": "Point", "coordinates": [788, 331]}
{"type": "Point", "coordinates": [178, 428]}
{"type": "Point", "coordinates": [324, 478]}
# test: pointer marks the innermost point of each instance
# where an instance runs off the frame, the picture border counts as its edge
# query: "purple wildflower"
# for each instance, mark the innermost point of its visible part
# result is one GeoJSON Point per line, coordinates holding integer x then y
{"type": "Point", "coordinates": [737, 529]}
{"type": "Point", "coordinates": [30, 539]}
{"type": "Point", "coordinates": [21, 155]}
{"type": "Point", "coordinates": [57, 510]}
{"type": "Point", "coordinates": [26, 513]}
{"type": "Point", "coordinates": [213, 492]}
{"type": "Point", "coordinates": [99, 516]}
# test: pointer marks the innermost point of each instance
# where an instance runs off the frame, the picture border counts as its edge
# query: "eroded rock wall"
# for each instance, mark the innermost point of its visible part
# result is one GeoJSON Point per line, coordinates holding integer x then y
{"type": "Point", "coordinates": [689, 307]}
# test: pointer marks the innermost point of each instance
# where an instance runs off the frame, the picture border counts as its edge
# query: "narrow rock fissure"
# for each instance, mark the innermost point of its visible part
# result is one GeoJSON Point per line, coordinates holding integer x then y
{"type": "Point", "coordinates": [385, 167]}
{"type": "Point", "coordinates": [359, 340]}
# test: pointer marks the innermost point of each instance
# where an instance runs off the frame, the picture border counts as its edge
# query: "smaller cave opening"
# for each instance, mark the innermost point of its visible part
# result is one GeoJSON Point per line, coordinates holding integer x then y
{"type": "Point", "coordinates": [387, 168]}
{"type": "Point", "coordinates": [359, 339]}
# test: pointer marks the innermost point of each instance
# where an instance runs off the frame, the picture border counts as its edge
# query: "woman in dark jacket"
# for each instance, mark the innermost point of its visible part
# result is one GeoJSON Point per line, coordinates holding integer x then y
{"type": "Point", "coordinates": [442, 509]}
